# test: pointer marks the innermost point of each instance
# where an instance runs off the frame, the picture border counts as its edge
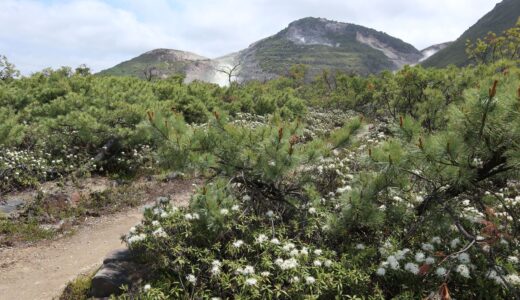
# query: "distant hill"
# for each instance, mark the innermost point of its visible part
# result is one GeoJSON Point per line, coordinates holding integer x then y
{"type": "Point", "coordinates": [502, 17]}
{"type": "Point", "coordinates": [316, 42]}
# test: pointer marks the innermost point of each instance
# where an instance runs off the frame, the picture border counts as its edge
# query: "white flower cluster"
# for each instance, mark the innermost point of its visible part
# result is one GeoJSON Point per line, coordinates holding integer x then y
{"type": "Point", "coordinates": [262, 238]}
{"type": "Point", "coordinates": [160, 233]}
{"type": "Point", "coordinates": [471, 213]}
{"type": "Point", "coordinates": [463, 270]}
{"type": "Point", "coordinates": [247, 270]}
{"type": "Point", "coordinates": [191, 278]}
{"type": "Point", "coordinates": [215, 267]}
{"type": "Point", "coordinates": [238, 243]}
{"type": "Point", "coordinates": [393, 261]}
{"type": "Point", "coordinates": [321, 122]}
{"type": "Point", "coordinates": [191, 216]}
{"type": "Point", "coordinates": [248, 120]}
{"type": "Point", "coordinates": [286, 264]}
{"type": "Point", "coordinates": [132, 239]}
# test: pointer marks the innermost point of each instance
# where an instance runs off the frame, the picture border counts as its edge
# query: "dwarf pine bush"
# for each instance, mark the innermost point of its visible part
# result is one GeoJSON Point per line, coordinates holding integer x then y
{"type": "Point", "coordinates": [421, 205]}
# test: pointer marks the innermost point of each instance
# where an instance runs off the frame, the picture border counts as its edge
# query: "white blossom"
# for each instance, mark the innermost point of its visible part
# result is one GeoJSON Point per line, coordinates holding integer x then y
{"type": "Point", "coordinates": [159, 232]}
{"type": "Point", "coordinates": [310, 280]}
{"type": "Point", "coordinates": [318, 252]}
{"type": "Point", "coordinates": [492, 274]}
{"type": "Point", "coordinates": [436, 240]}
{"type": "Point", "coordinates": [419, 257]}
{"type": "Point", "coordinates": [251, 281]}
{"type": "Point", "coordinates": [427, 247]}
{"type": "Point", "coordinates": [312, 210]}
{"type": "Point", "coordinates": [412, 267]}
{"type": "Point", "coordinates": [381, 271]}
{"type": "Point", "coordinates": [463, 270]}
{"type": "Point", "coordinates": [191, 278]}
{"type": "Point", "coordinates": [441, 272]}
{"type": "Point", "coordinates": [260, 239]}
{"type": "Point", "coordinates": [344, 189]}
{"type": "Point", "coordinates": [147, 287]}
{"type": "Point", "coordinates": [275, 241]}
{"type": "Point", "coordinates": [360, 246]}
{"type": "Point", "coordinates": [216, 262]}
{"type": "Point", "coordinates": [328, 263]}
{"type": "Point", "coordinates": [247, 270]}
{"type": "Point", "coordinates": [265, 274]}
{"type": "Point", "coordinates": [317, 263]}
{"type": "Point", "coordinates": [235, 207]}
{"type": "Point", "coordinates": [288, 246]}
{"type": "Point", "coordinates": [136, 238]}
{"type": "Point", "coordinates": [512, 259]}
{"type": "Point", "coordinates": [269, 213]}
{"type": "Point", "coordinates": [215, 270]}
{"type": "Point", "coordinates": [238, 243]}
{"type": "Point", "coordinates": [287, 264]}
{"type": "Point", "coordinates": [224, 211]}
{"type": "Point", "coordinates": [464, 258]}
{"type": "Point", "coordinates": [430, 260]}
{"type": "Point", "coordinates": [392, 261]}
{"type": "Point", "coordinates": [513, 279]}
{"type": "Point", "coordinates": [400, 254]}
{"type": "Point", "coordinates": [454, 243]}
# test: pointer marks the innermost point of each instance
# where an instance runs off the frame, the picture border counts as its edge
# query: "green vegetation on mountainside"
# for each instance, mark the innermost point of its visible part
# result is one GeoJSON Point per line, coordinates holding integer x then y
{"type": "Point", "coordinates": [502, 17]}
{"type": "Point", "coordinates": [278, 55]}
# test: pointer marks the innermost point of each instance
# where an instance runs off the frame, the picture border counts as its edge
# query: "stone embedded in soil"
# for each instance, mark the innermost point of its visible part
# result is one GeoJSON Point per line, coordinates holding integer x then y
{"type": "Point", "coordinates": [118, 270]}
{"type": "Point", "coordinates": [11, 206]}
{"type": "Point", "coordinates": [122, 254]}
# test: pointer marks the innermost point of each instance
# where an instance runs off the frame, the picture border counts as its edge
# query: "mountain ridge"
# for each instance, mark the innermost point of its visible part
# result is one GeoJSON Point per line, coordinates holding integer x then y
{"type": "Point", "coordinates": [502, 17]}
{"type": "Point", "coordinates": [317, 42]}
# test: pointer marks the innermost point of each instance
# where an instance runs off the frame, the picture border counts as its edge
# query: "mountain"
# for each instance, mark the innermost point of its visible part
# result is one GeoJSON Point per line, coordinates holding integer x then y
{"type": "Point", "coordinates": [316, 42]}
{"type": "Point", "coordinates": [324, 44]}
{"type": "Point", "coordinates": [502, 17]}
{"type": "Point", "coordinates": [429, 51]}
{"type": "Point", "coordinates": [165, 62]}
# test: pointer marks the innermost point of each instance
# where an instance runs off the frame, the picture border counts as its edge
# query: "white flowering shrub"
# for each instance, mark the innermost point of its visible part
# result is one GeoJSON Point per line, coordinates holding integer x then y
{"type": "Point", "coordinates": [220, 248]}
{"type": "Point", "coordinates": [405, 209]}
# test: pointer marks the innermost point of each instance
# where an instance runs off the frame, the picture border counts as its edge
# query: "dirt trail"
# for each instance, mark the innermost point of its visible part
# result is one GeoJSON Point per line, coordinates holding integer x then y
{"type": "Point", "coordinates": [42, 271]}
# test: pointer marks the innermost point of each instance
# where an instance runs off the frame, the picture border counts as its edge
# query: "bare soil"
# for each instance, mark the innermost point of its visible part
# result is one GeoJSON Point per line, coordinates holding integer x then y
{"type": "Point", "coordinates": [41, 271]}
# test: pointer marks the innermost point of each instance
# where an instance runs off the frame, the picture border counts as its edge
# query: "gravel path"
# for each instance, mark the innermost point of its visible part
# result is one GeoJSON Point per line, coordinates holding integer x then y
{"type": "Point", "coordinates": [41, 271]}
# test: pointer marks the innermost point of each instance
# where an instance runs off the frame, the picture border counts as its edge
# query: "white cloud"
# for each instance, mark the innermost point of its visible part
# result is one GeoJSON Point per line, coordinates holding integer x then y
{"type": "Point", "coordinates": [36, 34]}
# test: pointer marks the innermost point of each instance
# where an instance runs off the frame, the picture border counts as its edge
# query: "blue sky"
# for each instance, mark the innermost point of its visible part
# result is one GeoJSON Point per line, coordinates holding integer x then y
{"type": "Point", "coordinates": [35, 34]}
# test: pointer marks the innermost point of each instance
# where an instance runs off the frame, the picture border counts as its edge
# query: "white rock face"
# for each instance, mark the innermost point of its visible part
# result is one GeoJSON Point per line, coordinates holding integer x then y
{"type": "Point", "coordinates": [399, 59]}
{"type": "Point", "coordinates": [214, 71]}
{"type": "Point", "coordinates": [432, 50]}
